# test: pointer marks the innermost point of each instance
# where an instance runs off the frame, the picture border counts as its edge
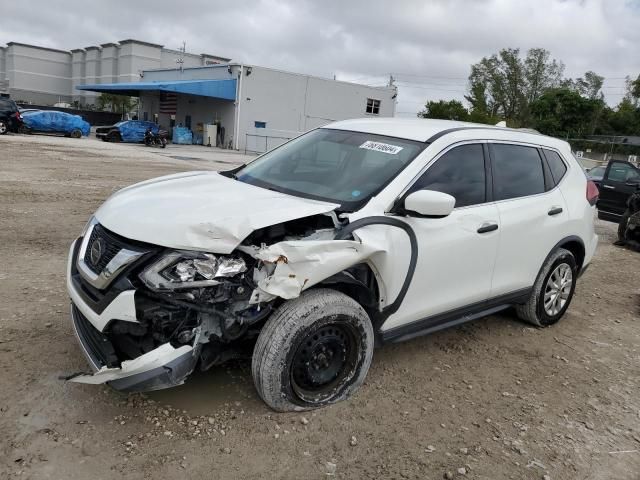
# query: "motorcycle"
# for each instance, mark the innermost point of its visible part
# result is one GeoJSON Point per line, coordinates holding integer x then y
{"type": "Point", "coordinates": [155, 139]}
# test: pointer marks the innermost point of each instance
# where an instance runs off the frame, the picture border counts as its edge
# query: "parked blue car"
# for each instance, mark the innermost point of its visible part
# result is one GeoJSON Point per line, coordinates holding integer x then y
{"type": "Point", "coordinates": [126, 131]}
{"type": "Point", "coordinates": [51, 121]}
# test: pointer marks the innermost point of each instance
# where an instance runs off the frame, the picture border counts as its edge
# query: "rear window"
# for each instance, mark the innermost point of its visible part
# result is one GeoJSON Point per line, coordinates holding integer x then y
{"type": "Point", "coordinates": [556, 165]}
{"type": "Point", "coordinates": [517, 171]}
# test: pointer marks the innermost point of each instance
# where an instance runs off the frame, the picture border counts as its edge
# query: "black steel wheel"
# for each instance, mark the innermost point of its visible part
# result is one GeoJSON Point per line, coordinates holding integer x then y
{"type": "Point", "coordinates": [324, 359]}
{"type": "Point", "coordinates": [313, 351]}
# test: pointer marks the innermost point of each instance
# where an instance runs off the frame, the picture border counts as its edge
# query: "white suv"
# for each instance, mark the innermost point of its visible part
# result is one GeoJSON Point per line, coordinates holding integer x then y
{"type": "Point", "coordinates": [357, 234]}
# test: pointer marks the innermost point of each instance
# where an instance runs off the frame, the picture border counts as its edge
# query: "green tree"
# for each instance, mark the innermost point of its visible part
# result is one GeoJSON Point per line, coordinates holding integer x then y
{"type": "Point", "coordinates": [625, 118]}
{"type": "Point", "coordinates": [504, 84]}
{"type": "Point", "coordinates": [635, 87]}
{"type": "Point", "coordinates": [445, 110]}
{"type": "Point", "coordinates": [590, 85]}
{"type": "Point", "coordinates": [116, 103]}
{"type": "Point", "coordinates": [563, 112]}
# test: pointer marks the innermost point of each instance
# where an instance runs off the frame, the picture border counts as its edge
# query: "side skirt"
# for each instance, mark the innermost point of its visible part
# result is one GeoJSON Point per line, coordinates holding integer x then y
{"type": "Point", "coordinates": [454, 317]}
{"type": "Point", "coordinates": [609, 216]}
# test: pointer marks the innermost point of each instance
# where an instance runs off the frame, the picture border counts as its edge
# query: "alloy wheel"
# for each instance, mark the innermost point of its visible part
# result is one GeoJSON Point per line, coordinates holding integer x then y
{"type": "Point", "coordinates": [558, 289]}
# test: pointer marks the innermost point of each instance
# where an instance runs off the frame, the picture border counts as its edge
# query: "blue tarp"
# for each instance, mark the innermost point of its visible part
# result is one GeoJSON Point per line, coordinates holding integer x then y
{"type": "Point", "coordinates": [55, 122]}
{"type": "Point", "coordinates": [182, 136]}
{"type": "Point", "coordinates": [133, 130]}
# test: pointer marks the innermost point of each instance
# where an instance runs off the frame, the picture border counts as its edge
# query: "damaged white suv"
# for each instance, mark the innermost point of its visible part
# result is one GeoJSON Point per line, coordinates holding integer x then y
{"type": "Point", "coordinates": [357, 234]}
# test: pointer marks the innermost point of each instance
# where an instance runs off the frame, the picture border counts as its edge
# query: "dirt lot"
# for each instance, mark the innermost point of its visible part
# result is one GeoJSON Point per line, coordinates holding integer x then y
{"type": "Point", "coordinates": [494, 399]}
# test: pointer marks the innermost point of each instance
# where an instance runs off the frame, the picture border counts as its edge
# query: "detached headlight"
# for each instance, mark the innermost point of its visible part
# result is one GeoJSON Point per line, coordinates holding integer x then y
{"type": "Point", "coordinates": [178, 270]}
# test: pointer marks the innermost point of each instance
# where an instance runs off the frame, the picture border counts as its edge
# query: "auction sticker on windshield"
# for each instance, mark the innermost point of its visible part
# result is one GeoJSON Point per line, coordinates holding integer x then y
{"type": "Point", "coordinates": [381, 147]}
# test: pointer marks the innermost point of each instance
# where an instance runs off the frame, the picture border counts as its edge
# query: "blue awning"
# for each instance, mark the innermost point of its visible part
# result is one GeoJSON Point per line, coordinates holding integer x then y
{"type": "Point", "coordinates": [224, 89]}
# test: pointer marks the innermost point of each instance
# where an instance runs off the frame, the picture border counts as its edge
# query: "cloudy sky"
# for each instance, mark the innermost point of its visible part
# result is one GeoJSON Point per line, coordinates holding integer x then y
{"type": "Point", "coordinates": [428, 45]}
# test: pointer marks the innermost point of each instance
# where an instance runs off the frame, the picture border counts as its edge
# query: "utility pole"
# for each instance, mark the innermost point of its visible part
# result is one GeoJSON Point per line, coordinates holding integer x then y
{"type": "Point", "coordinates": [391, 80]}
{"type": "Point", "coordinates": [180, 60]}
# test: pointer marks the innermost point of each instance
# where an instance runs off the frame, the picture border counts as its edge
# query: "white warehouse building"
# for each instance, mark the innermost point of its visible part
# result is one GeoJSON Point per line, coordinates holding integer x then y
{"type": "Point", "coordinates": [258, 108]}
{"type": "Point", "coordinates": [45, 76]}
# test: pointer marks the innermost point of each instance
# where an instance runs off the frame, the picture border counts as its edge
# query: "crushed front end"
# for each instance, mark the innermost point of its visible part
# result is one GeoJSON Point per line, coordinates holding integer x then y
{"type": "Point", "coordinates": [147, 316]}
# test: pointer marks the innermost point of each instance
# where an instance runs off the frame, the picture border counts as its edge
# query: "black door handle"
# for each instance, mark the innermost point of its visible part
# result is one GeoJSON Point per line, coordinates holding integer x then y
{"type": "Point", "coordinates": [488, 227]}
{"type": "Point", "coordinates": [555, 211]}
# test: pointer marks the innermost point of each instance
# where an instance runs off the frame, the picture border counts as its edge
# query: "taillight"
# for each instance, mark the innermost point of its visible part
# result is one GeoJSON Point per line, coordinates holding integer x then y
{"type": "Point", "coordinates": [592, 192]}
{"type": "Point", "coordinates": [17, 115]}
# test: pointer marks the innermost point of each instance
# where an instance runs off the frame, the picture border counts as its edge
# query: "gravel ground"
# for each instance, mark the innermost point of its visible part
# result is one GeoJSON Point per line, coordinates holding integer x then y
{"type": "Point", "coordinates": [490, 400]}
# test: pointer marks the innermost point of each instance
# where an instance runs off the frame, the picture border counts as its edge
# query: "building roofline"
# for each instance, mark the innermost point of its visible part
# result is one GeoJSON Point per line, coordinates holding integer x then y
{"type": "Point", "coordinates": [237, 64]}
{"type": "Point", "coordinates": [132, 40]}
{"type": "Point", "coordinates": [76, 50]}
{"type": "Point", "coordinates": [10, 44]}
{"type": "Point", "coordinates": [110, 44]}
{"type": "Point", "coordinates": [199, 67]}
{"type": "Point", "coordinates": [92, 47]}
{"type": "Point", "coordinates": [385, 87]}
{"type": "Point", "coordinates": [217, 57]}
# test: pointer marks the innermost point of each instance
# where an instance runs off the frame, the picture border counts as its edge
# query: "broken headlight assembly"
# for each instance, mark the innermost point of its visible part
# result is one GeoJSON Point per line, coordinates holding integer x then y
{"type": "Point", "coordinates": [184, 269]}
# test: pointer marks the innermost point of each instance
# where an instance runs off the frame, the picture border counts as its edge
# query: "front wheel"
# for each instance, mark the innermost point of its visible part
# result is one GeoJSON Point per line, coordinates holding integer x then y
{"type": "Point", "coordinates": [553, 291]}
{"type": "Point", "coordinates": [315, 350]}
{"type": "Point", "coordinates": [3, 127]}
{"type": "Point", "coordinates": [75, 133]}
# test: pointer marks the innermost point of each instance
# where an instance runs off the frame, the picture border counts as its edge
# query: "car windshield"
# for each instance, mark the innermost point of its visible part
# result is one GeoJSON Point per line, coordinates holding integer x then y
{"type": "Point", "coordinates": [334, 165]}
{"type": "Point", "coordinates": [119, 124]}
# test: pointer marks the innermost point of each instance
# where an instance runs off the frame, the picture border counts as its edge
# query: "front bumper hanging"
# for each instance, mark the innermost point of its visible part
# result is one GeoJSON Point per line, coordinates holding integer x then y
{"type": "Point", "coordinates": [163, 367]}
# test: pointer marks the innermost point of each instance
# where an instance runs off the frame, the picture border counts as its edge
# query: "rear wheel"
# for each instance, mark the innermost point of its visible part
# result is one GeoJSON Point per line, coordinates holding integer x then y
{"type": "Point", "coordinates": [553, 290]}
{"type": "Point", "coordinates": [315, 350]}
{"type": "Point", "coordinates": [114, 137]}
{"type": "Point", "coordinates": [76, 133]}
{"type": "Point", "coordinates": [3, 127]}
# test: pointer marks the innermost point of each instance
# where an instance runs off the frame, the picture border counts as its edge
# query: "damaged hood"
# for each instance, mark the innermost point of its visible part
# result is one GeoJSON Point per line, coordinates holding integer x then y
{"type": "Point", "coordinates": [200, 211]}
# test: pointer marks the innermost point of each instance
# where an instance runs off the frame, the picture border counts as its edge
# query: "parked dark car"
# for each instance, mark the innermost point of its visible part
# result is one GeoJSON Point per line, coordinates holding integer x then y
{"type": "Point", "coordinates": [51, 121]}
{"type": "Point", "coordinates": [10, 118]}
{"type": "Point", "coordinates": [126, 131]}
{"type": "Point", "coordinates": [595, 174]}
{"type": "Point", "coordinates": [620, 180]}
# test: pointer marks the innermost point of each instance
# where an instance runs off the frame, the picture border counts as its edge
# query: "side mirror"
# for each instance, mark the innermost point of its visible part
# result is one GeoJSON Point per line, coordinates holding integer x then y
{"type": "Point", "coordinates": [429, 203]}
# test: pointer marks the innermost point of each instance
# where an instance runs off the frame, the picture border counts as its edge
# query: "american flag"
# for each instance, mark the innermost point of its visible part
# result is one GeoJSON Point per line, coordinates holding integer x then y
{"type": "Point", "coordinates": [168, 103]}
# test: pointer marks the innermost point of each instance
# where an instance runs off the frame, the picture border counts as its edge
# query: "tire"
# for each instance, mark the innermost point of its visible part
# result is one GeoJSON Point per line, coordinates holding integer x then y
{"type": "Point", "coordinates": [534, 310]}
{"type": "Point", "coordinates": [294, 364]}
{"type": "Point", "coordinates": [75, 133]}
{"type": "Point", "coordinates": [114, 137]}
{"type": "Point", "coordinates": [4, 128]}
{"type": "Point", "coordinates": [622, 227]}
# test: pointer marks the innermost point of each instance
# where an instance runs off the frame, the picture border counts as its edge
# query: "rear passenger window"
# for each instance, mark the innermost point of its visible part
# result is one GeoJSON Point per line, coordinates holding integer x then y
{"type": "Point", "coordinates": [460, 173]}
{"type": "Point", "coordinates": [517, 171]}
{"type": "Point", "coordinates": [556, 165]}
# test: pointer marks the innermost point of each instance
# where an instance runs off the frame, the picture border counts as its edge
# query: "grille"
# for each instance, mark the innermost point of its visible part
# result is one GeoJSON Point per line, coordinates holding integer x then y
{"type": "Point", "coordinates": [111, 246]}
{"type": "Point", "coordinates": [95, 343]}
